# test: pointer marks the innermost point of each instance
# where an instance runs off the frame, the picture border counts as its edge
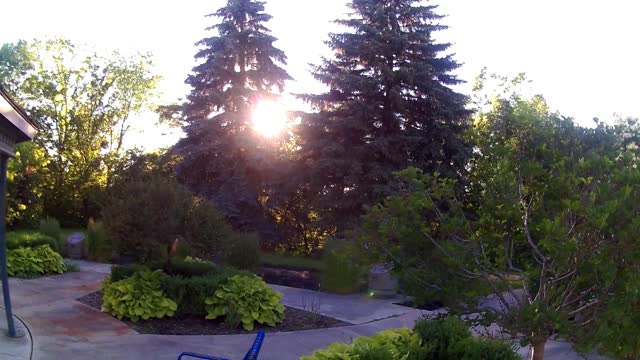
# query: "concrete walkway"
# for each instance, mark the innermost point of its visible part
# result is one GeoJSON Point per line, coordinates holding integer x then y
{"type": "Point", "coordinates": [62, 328]}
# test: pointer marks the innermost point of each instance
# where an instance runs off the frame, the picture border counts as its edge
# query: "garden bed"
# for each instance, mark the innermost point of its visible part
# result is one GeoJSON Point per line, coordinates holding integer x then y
{"type": "Point", "coordinates": [295, 319]}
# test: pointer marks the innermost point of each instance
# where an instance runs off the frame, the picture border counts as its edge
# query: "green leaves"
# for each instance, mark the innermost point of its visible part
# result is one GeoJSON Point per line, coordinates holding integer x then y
{"type": "Point", "coordinates": [31, 262]}
{"type": "Point", "coordinates": [248, 297]}
{"type": "Point", "coordinates": [137, 297]}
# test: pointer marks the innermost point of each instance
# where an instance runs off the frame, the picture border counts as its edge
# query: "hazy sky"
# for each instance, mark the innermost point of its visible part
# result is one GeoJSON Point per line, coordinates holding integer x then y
{"type": "Point", "coordinates": [582, 55]}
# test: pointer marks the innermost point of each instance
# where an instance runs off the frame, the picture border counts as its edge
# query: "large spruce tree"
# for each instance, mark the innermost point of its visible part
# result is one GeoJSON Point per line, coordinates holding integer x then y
{"type": "Point", "coordinates": [389, 105]}
{"type": "Point", "coordinates": [222, 158]}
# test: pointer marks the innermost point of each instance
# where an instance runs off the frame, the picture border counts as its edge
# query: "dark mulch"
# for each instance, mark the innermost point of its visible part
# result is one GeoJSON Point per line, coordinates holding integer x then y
{"type": "Point", "coordinates": [295, 319]}
{"type": "Point", "coordinates": [429, 306]}
{"type": "Point", "coordinates": [303, 279]}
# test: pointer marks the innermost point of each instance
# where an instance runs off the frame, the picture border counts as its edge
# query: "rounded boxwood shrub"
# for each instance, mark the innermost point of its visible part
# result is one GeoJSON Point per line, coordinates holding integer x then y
{"type": "Point", "coordinates": [248, 299]}
{"type": "Point", "coordinates": [31, 262]}
{"type": "Point", "coordinates": [139, 296]}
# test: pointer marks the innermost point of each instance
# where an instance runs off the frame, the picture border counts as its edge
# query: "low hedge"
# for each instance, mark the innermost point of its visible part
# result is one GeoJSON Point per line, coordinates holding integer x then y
{"type": "Point", "coordinates": [31, 241]}
{"type": "Point", "coordinates": [430, 340]}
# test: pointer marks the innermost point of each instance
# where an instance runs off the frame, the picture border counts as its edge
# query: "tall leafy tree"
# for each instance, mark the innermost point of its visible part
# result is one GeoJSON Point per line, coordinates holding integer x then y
{"type": "Point", "coordinates": [223, 159]}
{"type": "Point", "coordinates": [389, 105]}
{"type": "Point", "coordinates": [85, 103]}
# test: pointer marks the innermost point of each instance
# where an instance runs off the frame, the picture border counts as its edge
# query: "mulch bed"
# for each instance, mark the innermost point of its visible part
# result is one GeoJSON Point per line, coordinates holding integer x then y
{"type": "Point", "coordinates": [295, 319]}
{"type": "Point", "coordinates": [302, 279]}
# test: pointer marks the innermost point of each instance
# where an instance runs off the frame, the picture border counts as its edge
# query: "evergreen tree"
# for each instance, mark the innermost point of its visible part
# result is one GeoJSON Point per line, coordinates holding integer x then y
{"type": "Point", "coordinates": [389, 105]}
{"type": "Point", "coordinates": [223, 159]}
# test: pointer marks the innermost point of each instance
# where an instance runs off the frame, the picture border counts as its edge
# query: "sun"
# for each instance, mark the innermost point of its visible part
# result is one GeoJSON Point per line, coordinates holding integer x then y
{"type": "Point", "coordinates": [269, 118]}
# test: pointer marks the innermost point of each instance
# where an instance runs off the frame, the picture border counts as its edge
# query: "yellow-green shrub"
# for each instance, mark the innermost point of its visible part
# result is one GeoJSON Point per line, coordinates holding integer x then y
{"type": "Point", "coordinates": [139, 296]}
{"type": "Point", "coordinates": [30, 262]}
{"type": "Point", "coordinates": [248, 298]}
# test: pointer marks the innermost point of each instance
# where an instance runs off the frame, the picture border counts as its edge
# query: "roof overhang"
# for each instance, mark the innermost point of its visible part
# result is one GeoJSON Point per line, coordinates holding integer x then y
{"type": "Point", "coordinates": [16, 125]}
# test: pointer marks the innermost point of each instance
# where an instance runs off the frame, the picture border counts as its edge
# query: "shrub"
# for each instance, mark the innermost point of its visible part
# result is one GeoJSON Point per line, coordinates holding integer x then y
{"type": "Point", "coordinates": [31, 240]}
{"type": "Point", "coordinates": [145, 218]}
{"type": "Point", "coordinates": [450, 339]}
{"type": "Point", "coordinates": [98, 245]}
{"type": "Point", "coordinates": [341, 273]}
{"type": "Point", "coordinates": [51, 227]}
{"type": "Point", "coordinates": [386, 345]}
{"type": "Point", "coordinates": [119, 272]}
{"type": "Point", "coordinates": [139, 296]}
{"type": "Point", "coordinates": [483, 349]}
{"type": "Point", "coordinates": [186, 268]}
{"type": "Point", "coordinates": [206, 230]}
{"type": "Point", "coordinates": [31, 262]}
{"type": "Point", "coordinates": [190, 293]}
{"type": "Point", "coordinates": [249, 298]}
{"type": "Point", "coordinates": [242, 252]}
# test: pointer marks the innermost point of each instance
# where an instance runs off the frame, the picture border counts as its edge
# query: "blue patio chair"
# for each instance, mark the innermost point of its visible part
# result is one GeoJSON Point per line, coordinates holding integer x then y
{"type": "Point", "coordinates": [252, 354]}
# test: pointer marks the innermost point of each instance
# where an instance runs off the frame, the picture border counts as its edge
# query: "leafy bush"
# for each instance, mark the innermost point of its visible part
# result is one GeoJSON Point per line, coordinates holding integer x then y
{"type": "Point", "coordinates": [98, 245]}
{"type": "Point", "coordinates": [119, 272]}
{"type": "Point", "coordinates": [144, 219]}
{"type": "Point", "coordinates": [386, 345]}
{"type": "Point", "coordinates": [139, 296]}
{"type": "Point", "coordinates": [341, 273]}
{"type": "Point", "coordinates": [189, 268]}
{"type": "Point", "coordinates": [31, 262]}
{"type": "Point", "coordinates": [439, 336]}
{"type": "Point", "coordinates": [482, 349]}
{"type": "Point", "coordinates": [249, 298]}
{"type": "Point", "coordinates": [243, 252]}
{"type": "Point", "coordinates": [445, 339]}
{"type": "Point", "coordinates": [190, 293]}
{"type": "Point", "coordinates": [23, 240]}
{"type": "Point", "coordinates": [51, 227]}
{"type": "Point", "coordinates": [206, 230]}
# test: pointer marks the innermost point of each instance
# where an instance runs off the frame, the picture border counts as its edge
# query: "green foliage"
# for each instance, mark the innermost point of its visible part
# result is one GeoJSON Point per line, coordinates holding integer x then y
{"type": "Point", "coordinates": [51, 227]}
{"type": "Point", "coordinates": [393, 344]}
{"type": "Point", "coordinates": [82, 139]}
{"type": "Point", "coordinates": [291, 262]}
{"type": "Point", "coordinates": [119, 272]}
{"type": "Point", "coordinates": [206, 230]}
{"type": "Point", "coordinates": [22, 239]}
{"type": "Point", "coordinates": [248, 297]}
{"type": "Point", "coordinates": [446, 339]}
{"type": "Point", "coordinates": [145, 218]}
{"type": "Point", "coordinates": [25, 185]}
{"type": "Point", "coordinates": [342, 274]}
{"type": "Point", "coordinates": [194, 268]}
{"type": "Point", "coordinates": [139, 296]}
{"type": "Point", "coordinates": [30, 262]}
{"type": "Point", "coordinates": [369, 124]}
{"type": "Point", "coordinates": [440, 336]}
{"type": "Point", "coordinates": [243, 252]}
{"type": "Point", "coordinates": [98, 244]}
{"type": "Point", "coordinates": [190, 293]}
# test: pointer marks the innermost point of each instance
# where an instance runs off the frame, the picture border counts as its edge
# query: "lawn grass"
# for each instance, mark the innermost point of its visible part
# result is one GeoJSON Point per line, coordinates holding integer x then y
{"type": "Point", "coordinates": [291, 262]}
{"type": "Point", "coordinates": [30, 234]}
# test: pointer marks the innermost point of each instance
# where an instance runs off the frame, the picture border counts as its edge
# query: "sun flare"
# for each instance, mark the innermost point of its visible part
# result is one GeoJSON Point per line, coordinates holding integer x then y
{"type": "Point", "coordinates": [269, 118]}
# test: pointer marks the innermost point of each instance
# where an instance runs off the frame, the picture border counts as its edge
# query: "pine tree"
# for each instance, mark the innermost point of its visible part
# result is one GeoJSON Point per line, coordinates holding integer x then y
{"type": "Point", "coordinates": [389, 105]}
{"type": "Point", "coordinates": [223, 159]}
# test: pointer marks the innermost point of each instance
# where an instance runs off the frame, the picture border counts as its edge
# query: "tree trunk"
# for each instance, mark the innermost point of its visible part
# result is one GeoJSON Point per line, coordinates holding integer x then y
{"type": "Point", "coordinates": [537, 348]}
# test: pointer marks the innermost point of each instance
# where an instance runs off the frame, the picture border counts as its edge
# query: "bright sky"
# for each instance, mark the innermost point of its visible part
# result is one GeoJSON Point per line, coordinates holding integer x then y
{"type": "Point", "coordinates": [582, 55]}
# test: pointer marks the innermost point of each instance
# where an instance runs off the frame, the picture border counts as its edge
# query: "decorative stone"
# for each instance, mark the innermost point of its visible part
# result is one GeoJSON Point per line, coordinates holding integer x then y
{"type": "Point", "coordinates": [381, 282]}
{"type": "Point", "coordinates": [75, 246]}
